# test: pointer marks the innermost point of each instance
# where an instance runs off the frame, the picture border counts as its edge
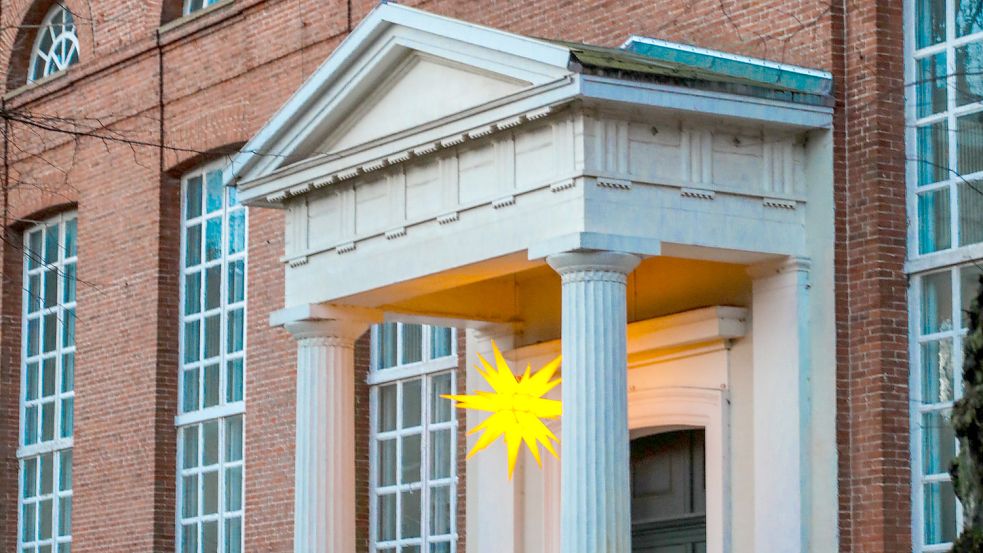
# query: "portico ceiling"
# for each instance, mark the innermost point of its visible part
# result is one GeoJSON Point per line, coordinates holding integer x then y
{"type": "Point", "coordinates": [428, 153]}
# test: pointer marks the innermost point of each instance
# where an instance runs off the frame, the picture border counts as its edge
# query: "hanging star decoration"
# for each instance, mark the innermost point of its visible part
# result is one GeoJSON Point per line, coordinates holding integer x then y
{"type": "Point", "coordinates": [517, 408]}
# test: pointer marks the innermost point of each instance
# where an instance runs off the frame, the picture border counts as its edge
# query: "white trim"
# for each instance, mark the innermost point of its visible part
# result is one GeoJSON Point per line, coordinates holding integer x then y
{"type": "Point", "coordinates": [67, 40]}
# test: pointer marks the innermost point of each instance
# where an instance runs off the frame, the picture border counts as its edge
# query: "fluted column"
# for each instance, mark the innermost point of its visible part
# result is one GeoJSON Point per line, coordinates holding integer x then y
{"type": "Point", "coordinates": [324, 468]}
{"type": "Point", "coordinates": [595, 494]}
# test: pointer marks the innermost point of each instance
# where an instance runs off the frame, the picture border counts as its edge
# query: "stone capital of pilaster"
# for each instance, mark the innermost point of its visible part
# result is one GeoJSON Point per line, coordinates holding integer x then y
{"type": "Point", "coordinates": [593, 265]}
{"type": "Point", "coordinates": [328, 325]}
{"type": "Point", "coordinates": [778, 267]}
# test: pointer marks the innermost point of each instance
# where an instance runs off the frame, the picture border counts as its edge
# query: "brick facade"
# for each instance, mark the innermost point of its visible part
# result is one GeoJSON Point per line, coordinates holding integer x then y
{"type": "Point", "coordinates": [224, 73]}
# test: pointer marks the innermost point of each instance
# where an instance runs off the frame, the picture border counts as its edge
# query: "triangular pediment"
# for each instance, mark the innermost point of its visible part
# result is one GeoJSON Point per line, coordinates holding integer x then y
{"type": "Point", "coordinates": [422, 89]}
{"type": "Point", "coordinates": [401, 70]}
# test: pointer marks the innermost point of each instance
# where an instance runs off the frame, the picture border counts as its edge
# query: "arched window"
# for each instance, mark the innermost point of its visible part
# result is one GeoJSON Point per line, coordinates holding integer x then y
{"type": "Point", "coordinates": [56, 46]}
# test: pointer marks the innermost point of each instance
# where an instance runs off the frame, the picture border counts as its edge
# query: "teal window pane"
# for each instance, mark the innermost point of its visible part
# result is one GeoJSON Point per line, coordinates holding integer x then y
{"type": "Point", "coordinates": [31, 381]}
{"type": "Point", "coordinates": [936, 372]}
{"type": "Point", "coordinates": [939, 513]}
{"type": "Point", "coordinates": [189, 447]}
{"type": "Point", "coordinates": [934, 225]}
{"type": "Point", "coordinates": [68, 328]}
{"type": "Point", "coordinates": [411, 523]}
{"type": "Point", "coordinates": [213, 239]}
{"type": "Point", "coordinates": [412, 343]}
{"type": "Point", "coordinates": [970, 212]}
{"type": "Point", "coordinates": [970, 143]}
{"type": "Point", "coordinates": [213, 191]}
{"type": "Point", "coordinates": [931, 87]}
{"type": "Point", "coordinates": [440, 341]}
{"type": "Point", "coordinates": [237, 231]}
{"type": "Point", "coordinates": [930, 22]}
{"type": "Point", "coordinates": [33, 252]}
{"type": "Point", "coordinates": [67, 372]}
{"type": "Point", "coordinates": [192, 340]}
{"type": "Point", "coordinates": [192, 246]}
{"type": "Point", "coordinates": [192, 197]}
{"type": "Point", "coordinates": [233, 488]}
{"type": "Point", "coordinates": [969, 73]}
{"type": "Point", "coordinates": [212, 335]}
{"type": "Point", "coordinates": [67, 417]}
{"type": "Point", "coordinates": [71, 238]}
{"type": "Point", "coordinates": [969, 17]}
{"type": "Point", "coordinates": [51, 244]}
{"type": "Point", "coordinates": [30, 478]}
{"type": "Point", "coordinates": [212, 381]}
{"type": "Point", "coordinates": [237, 281]}
{"type": "Point", "coordinates": [65, 471]}
{"type": "Point", "coordinates": [233, 439]}
{"type": "Point", "coordinates": [236, 330]}
{"type": "Point", "coordinates": [933, 153]}
{"type": "Point", "coordinates": [386, 347]}
{"type": "Point", "coordinates": [69, 282]}
{"type": "Point", "coordinates": [233, 389]}
{"type": "Point", "coordinates": [192, 293]}
{"type": "Point", "coordinates": [938, 442]}
{"type": "Point", "coordinates": [213, 287]}
{"type": "Point", "coordinates": [189, 390]}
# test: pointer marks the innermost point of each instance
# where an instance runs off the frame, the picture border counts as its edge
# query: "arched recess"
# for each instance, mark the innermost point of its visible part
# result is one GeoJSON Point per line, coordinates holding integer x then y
{"type": "Point", "coordinates": [19, 57]}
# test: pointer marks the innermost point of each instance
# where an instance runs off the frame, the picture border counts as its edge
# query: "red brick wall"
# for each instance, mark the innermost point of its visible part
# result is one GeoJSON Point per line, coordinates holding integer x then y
{"type": "Point", "coordinates": [226, 72]}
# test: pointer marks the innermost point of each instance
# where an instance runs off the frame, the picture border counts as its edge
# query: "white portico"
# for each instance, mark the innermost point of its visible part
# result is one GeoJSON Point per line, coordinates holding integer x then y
{"type": "Point", "coordinates": [661, 214]}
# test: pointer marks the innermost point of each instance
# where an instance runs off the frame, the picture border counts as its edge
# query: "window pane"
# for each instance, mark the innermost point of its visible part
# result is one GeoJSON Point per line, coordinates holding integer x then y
{"type": "Point", "coordinates": [50, 334]}
{"type": "Point", "coordinates": [189, 538]}
{"type": "Point", "coordinates": [936, 302]}
{"type": "Point", "coordinates": [937, 384]}
{"type": "Point", "coordinates": [440, 454]}
{"type": "Point", "coordinates": [387, 517]}
{"type": "Point", "coordinates": [237, 281]}
{"type": "Point", "coordinates": [68, 372]}
{"type": "Point", "coordinates": [970, 129]}
{"type": "Point", "coordinates": [233, 535]}
{"type": "Point", "coordinates": [32, 336]}
{"type": "Point", "coordinates": [67, 417]}
{"type": "Point", "coordinates": [412, 343]}
{"type": "Point", "coordinates": [213, 191]}
{"type": "Point", "coordinates": [939, 515]}
{"type": "Point", "coordinates": [71, 233]}
{"type": "Point", "coordinates": [192, 197]}
{"type": "Point", "coordinates": [442, 547]}
{"type": "Point", "coordinates": [933, 153]}
{"type": "Point", "coordinates": [970, 212]}
{"type": "Point", "coordinates": [387, 408]}
{"type": "Point", "coordinates": [48, 421]}
{"type": "Point", "coordinates": [30, 425]}
{"type": "Point", "coordinates": [30, 478]}
{"type": "Point", "coordinates": [969, 278]}
{"type": "Point", "coordinates": [189, 447]}
{"type": "Point", "coordinates": [192, 338]}
{"type": "Point", "coordinates": [45, 519]}
{"type": "Point", "coordinates": [48, 377]}
{"type": "Point", "coordinates": [212, 335]}
{"type": "Point", "coordinates": [440, 510]}
{"type": "Point", "coordinates": [387, 462]}
{"type": "Point", "coordinates": [29, 522]}
{"type": "Point", "coordinates": [930, 27]}
{"type": "Point", "coordinates": [210, 443]}
{"type": "Point", "coordinates": [212, 379]}
{"type": "Point", "coordinates": [236, 330]}
{"type": "Point", "coordinates": [386, 351]}
{"type": "Point", "coordinates": [233, 489]}
{"type": "Point", "coordinates": [209, 492]}
{"type": "Point", "coordinates": [440, 408]}
{"type": "Point", "coordinates": [969, 73]}
{"type": "Point", "coordinates": [68, 328]}
{"type": "Point", "coordinates": [237, 231]}
{"type": "Point", "coordinates": [410, 525]}
{"type": "Point", "coordinates": [33, 252]}
{"type": "Point", "coordinates": [65, 471]}
{"type": "Point", "coordinates": [410, 461]}
{"type": "Point", "coordinates": [31, 382]}
{"type": "Point", "coordinates": [213, 287]}
{"type": "Point", "coordinates": [233, 390]}
{"type": "Point", "coordinates": [938, 442]}
{"type": "Point", "coordinates": [51, 244]}
{"type": "Point", "coordinates": [65, 516]}
{"type": "Point", "coordinates": [68, 295]}
{"type": "Point", "coordinates": [969, 17]}
{"type": "Point", "coordinates": [213, 239]}
{"type": "Point", "coordinates": [33, 293]}
{"type": "Point", "coordinates": [233, 439]}
{"type": "Point", "coordinates": [412, 399]}
{"type": "Point", "coordinates": [189, 496]}
{"type": "Point", "coordinates": [190, 390]}
{"type": "Point", "coordinates": [192, 246]}
{"type": "Point", "coordinates": [933, 221]}
{"type": "Point", "coordinates": [931, 89]}
{"type": "Point", "coordinates": [192, 293]}
{"type": "Point", "coordinates": [209, 537]}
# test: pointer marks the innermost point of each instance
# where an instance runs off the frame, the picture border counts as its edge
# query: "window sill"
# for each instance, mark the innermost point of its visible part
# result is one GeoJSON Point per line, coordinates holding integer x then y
{"type": "Point", "coordinates": [38, 83]}
{"type": "Point", "coordinates": [194, 16]}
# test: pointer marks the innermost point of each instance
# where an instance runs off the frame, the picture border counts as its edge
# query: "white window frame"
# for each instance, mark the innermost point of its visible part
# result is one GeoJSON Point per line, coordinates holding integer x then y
{"type": "Point", "coordinates": [67, 40]}
{"type": "Point", "coordinates": [950, 260]}
{"type": "Point", "coordinates": [58, 446]}
{"type": "Point", "coordinates": [425, 370]}
{"type": "Point", "coordinates": [223, 411]}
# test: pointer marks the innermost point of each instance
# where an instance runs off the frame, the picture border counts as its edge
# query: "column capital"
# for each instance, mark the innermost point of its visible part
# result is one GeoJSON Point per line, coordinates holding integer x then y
{"type": "Point", "coordinates": [593, 265]}
{"type": "Point", "coordinates": [333, 324]}
{"type": "Point", "coordinates": [781, 266]}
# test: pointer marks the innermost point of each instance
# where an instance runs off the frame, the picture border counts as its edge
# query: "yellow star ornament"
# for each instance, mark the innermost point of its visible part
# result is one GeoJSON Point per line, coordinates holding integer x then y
{"type": "Point", "coordinates": [517, 408]}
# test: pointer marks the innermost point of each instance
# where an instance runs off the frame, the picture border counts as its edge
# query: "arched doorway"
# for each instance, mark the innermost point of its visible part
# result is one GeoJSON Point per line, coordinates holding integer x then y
{"type": "Point", "coordinates": [668, 490]}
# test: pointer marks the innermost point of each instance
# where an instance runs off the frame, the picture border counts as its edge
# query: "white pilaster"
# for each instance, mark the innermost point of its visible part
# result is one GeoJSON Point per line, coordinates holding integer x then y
{"type": "Point", "coordinates": [594, 486]}
{"type": "Point", "coordinates": [781, 411]}
{"type": "Point", "coordinates": [324, 468]}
